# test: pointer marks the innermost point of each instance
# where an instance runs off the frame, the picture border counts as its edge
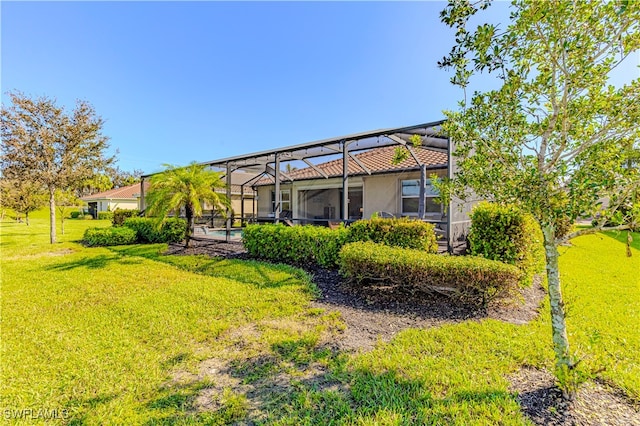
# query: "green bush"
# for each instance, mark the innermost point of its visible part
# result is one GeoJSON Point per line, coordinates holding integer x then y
{"type": "Point", "coordinates": [507, 234]}
{"type": "Point", "coordinates": [414, 234]}
{"type": "Point", "coordinates": [149, 230]}
{"type": "Point", "coordinates": [105, 215]}
{"type": "Point", "coordinates": [109, 236]}
{"type": "Point", "coordinates": [120, 215]}
{"type": "Point", "coordinates": [471, 279]}
{"type": "Point", "coordinates": [76, 215]}
{"type": "Point", "coordinates": [297, 245]}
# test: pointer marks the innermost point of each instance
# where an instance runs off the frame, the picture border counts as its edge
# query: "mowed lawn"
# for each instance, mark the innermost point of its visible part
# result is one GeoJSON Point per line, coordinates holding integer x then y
{"type": "Point", "coordinates": [120, 336]}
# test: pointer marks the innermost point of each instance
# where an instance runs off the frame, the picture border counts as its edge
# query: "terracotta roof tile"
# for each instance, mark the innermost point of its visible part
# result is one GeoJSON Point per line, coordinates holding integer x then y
{"type": "Point", "coordinates": [133, 192]}
{"type": "Point", "coordinates": [378, 160]}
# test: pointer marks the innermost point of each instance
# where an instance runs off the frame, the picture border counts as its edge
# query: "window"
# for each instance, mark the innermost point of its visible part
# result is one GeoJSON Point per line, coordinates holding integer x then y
{"type": "Point", "coordinates": [285, 199]}
{"type": "Point", "coordinates": [411, 197]}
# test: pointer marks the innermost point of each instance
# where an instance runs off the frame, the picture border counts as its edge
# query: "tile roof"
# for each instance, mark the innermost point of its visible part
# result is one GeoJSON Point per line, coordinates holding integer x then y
{"type": "Point", "coordinates": [379, 160]}
{"type": "Point", "coordinates": [131, 191]}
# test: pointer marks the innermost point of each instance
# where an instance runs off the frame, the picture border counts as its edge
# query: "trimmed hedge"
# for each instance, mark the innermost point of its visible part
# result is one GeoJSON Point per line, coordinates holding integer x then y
{"type": "Point", "coordinates": [308, 243]}
{"type": "Point", "coordinates": [109, 236]}
{"type": "Point", "coordinates": [405, 233]}
{"type": "Point", "coordinates": [296, 244]}
{"type": "Point", "coordinates": [507, 234]}
{"type": "Point", "coordinates": [105, 215]}
{"type": "Point", "coordinates": [76, 214]}
{"type": "Point", "coordinates": [120, 215]}
{"type": "Point", "coordinates": [172, 230]}
{"type": "Point", "coordinates": [471, 279]}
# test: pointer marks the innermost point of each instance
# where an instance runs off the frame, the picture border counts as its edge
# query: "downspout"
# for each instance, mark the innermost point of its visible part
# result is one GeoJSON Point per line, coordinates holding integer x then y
{"type": "Point", "coordinates": [228, 224]}
{"type": "Point", "coordinates": [278, 206]}
{"type": "Point", "coordinates": [345, 181]}
{"type": "Point", "coordinates": [448, 206]}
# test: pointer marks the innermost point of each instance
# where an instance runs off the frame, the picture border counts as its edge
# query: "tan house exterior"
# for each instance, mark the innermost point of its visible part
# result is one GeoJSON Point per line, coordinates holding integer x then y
{"type": "Point", "coordinates": [125, 198]}
{"type": "Point", "coordinates": [128, 198]}
{"type": "Point", "coordinates": [384, 188]}
{"type": "Point", "coordinates": [360, 175]}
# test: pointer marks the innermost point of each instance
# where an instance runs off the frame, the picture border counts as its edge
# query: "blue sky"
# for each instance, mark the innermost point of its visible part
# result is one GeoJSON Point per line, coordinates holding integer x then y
{"type": "Point", "coordinates": [177, 82]}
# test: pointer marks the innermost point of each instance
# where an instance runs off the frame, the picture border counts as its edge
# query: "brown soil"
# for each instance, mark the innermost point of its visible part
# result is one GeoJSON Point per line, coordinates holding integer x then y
{"type": "Point", "coordinates": [378, 313]}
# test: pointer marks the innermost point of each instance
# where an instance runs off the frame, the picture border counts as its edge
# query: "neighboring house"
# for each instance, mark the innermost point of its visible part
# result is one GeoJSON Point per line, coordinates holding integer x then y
{"type": "Point", "coordinates": [355, 178]}
{"type": "Point", "coordinates": [125, 198]}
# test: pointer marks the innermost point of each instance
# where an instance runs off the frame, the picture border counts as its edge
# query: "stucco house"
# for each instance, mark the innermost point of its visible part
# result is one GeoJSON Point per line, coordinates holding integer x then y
{"type": "Point", "coordinates": [128, 198]}
{"type": "Point", "coordinates": [350, 177]}
{"type": "Point", "coordinates": [125, 198]}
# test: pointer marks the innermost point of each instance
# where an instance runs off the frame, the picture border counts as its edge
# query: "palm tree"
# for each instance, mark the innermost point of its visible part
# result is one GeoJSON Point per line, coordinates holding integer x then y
{"type": "Point", "coordinates": [187, 187]}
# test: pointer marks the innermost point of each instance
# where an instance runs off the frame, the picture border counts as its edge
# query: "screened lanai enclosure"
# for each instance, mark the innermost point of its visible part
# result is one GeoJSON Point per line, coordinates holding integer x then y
{"type": "Point", "coordinates": [385, 173]}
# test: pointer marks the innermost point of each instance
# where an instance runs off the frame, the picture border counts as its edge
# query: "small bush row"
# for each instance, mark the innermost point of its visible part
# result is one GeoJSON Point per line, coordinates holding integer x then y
{"type": "Point", "coordinates": [109, 236]}
{"type": "Point", "coordinates": [172, 230]}
{"type": "Point", "coordinates": [506, 233]}
{"type": "Point", "coordinates": [406, 233]}
{"type": "Point", "coordinates": [120, 215]}
{"type": "Point", "coordinates": [296, 245]}
{"type": "Point", "coordinates": [468, 278]}
{"type": "Point", "coordinates": [138, 230]}
{"type": "Point", "coordinates": [105, 215]}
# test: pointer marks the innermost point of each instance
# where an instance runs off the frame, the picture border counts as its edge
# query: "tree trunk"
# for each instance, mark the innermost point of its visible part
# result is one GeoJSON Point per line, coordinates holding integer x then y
{"type": "Point", "coordinates": [188, 211]}
{"type": "Point", "coordinates": [52, 215]}
{"type": "Point", "coordinates": [558, 324]}
{"type": "Point", "coordinates": [62, 223]}
{"type": "Point", "coordinates": [26, 218]}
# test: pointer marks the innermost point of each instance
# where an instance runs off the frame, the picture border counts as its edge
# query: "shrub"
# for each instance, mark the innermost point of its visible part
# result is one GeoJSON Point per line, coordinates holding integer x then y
{"type": "Point", "coordinates": [109, 236]}
{"type": "Point", "coordinates": [471, 279]}
{"type": "Point", "coordinates": [405, 233]}
{"type": "Point", "coordinates": [149, 230]}
{"type": "Point", "coordinates": [76, 215]}
{"type": "Point", "coordinates": [105, 215]}
{"type": "Point", "coordinates": [297, 244]}
{"type": "Point", "coordinates": [120, 215]}
{"type": "Point", "coordinates": [507, 234]}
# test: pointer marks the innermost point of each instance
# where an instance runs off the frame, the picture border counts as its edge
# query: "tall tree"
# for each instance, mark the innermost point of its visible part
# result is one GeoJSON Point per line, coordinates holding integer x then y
{"type": "Point", "coordinates": [41, 143]}
{"type": "Point", "coordinates": [22, 196]}
{"type": "Point", "coordinates": [185, 187]}
{"type": "Point", "coordinates": [552, 137]}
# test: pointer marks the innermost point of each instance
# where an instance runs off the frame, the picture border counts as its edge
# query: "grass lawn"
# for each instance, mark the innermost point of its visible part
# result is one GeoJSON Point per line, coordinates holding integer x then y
{"type": "Point", "coordinates": [122, 335]}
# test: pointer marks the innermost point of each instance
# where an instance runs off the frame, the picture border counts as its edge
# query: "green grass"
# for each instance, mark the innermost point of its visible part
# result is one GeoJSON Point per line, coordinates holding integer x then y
{"type": "Point", "coordinates": [102, 333]}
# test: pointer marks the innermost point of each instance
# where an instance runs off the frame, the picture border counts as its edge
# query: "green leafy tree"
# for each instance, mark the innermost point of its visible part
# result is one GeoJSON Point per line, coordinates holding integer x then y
{"type": "Point", "coordinates": [43, 144]}
{"type": "Point", "coordinates": [185, 188]}
{"type": "Point", "coordinates": [66, 202]}
{"type": "Point", "coordinates": [552, 138]}
{"type": "Point", "coordinates": [22, 196]}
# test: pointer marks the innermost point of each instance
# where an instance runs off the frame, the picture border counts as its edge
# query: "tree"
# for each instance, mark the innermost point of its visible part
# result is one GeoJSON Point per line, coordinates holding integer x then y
{"type": "Point", "coordinates": [66, 201]}
{"type": "Point", "coordinates": [43, 144]}
{"type": "Point", "coordinates": [120, 178]}
{"type": "Point", "coordinates": [22, 196]}
{"type": "Point", "coordinates": [185, 187]}
{"type": "Point", "coordinates": [552, 137]}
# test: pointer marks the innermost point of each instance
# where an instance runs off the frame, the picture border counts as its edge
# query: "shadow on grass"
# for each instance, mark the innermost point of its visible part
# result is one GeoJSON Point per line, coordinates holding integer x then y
{"type": "Point", "coordinates": [252, 272]}
{"type": "Point", "coordinates": [621, 236]}
{"type": "Point", "coordinates": [94, 262]}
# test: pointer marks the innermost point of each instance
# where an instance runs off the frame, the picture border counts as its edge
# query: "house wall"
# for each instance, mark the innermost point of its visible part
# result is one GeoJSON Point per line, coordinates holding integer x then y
{"type": "Point", "coordinates": [382, 192]}
{"type": "Point", "coordinates": [112, 204]}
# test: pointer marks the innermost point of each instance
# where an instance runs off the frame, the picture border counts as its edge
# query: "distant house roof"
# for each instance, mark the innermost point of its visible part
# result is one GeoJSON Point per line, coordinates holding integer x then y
{"type": "Point", "coordinates": [376, 161]}
{"type": "Point", "coordinates": [131, 192]}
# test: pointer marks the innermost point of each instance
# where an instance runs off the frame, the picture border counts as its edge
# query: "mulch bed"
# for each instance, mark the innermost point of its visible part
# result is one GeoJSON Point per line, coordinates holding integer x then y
{"type": "Point", "coordinates": [373, 316]}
